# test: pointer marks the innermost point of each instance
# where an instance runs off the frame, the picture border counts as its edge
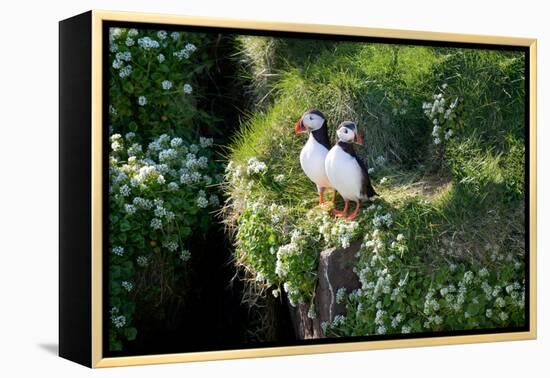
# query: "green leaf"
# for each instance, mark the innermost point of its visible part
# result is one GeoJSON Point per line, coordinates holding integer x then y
{"type": "Point", "coordinates": [128, 87]}
{"type": "Point", "coordinates": [131, 333]}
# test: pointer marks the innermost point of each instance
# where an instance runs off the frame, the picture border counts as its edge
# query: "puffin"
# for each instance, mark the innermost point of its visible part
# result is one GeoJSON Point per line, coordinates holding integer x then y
{"type": "Point", "coordinates": [314, 152]}
{"type": "Point", "coordinates": [347, 173]}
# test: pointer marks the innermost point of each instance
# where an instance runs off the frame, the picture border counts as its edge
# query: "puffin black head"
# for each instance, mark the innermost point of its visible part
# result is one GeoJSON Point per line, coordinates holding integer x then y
{"type": "Point", "coordinates": [347, 132]}
{"type": "Point", "coordinates": [312, 120]}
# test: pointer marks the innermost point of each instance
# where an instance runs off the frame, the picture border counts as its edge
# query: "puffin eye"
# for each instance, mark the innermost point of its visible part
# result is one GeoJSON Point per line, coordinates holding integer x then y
{"type": "Point", "coordinates": [311, 118]}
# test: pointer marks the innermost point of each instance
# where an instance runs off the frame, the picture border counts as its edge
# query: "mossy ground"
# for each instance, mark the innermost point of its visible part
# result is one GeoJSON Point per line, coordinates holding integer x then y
{"type": "Point", "coordinates": [457, 203]}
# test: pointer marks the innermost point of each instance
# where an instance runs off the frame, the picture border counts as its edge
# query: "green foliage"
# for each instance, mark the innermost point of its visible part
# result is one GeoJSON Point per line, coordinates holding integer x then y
{"type": "Point", "coordinates": [442, 246]}
{"type": "Point", "coordinates": [162, 174]}
{"type": "Point", "coordinates": [402, 292]}
{"type": "Point", "coordinates": [155, 82]}
{"type": "Point", "coordinates": [158, 199]}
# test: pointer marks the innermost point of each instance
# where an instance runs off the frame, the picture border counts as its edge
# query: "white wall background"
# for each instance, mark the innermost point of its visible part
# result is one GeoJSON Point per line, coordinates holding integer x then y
{"type": "Point", "coordinates": [28, 185]}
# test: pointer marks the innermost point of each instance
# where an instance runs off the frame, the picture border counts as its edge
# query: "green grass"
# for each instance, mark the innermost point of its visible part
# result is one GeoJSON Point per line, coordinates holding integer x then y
{"type": "Point", "coordinates": [457, 203]}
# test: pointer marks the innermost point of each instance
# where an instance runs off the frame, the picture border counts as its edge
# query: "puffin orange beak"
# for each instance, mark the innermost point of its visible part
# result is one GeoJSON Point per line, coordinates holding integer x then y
{"type": "Point", "coordinates": [299, 127]}
{"type": "Point", "coordinates": [359, 138]}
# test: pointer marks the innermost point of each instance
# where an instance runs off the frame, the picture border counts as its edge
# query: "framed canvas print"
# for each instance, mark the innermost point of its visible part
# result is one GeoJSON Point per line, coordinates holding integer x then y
{"type": "Point", "coordinates": [235, 189]}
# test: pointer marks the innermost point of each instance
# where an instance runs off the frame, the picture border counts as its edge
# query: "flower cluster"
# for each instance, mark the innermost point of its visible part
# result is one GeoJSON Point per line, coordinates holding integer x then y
{"type": "Point", "coordinates": [454, 297]}
{"type": "Point", "coordinates": [254, 166]}
{"type": "Point", "coordinates": [151, 197]}
{"type": "Point", "coordinates": [442, 114]}
{"type": "Point", "coordinates": [186, 52]}
{"type": "Point", "coordinates": [338, 232]}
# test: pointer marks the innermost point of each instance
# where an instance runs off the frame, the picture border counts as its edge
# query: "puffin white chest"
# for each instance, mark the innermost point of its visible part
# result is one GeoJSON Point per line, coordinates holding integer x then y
{"type": "Point", "coordinates": [344, 173]}
{"type": "Point", "coordinates": [312, 160]}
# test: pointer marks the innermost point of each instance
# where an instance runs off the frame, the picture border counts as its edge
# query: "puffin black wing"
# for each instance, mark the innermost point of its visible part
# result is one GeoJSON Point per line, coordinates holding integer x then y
{"type": "Point", "coordinates": [366, 185]}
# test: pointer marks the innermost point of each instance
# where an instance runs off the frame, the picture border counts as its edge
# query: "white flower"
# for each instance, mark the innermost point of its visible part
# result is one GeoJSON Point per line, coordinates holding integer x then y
{"type": "Point", "coordinates": [129, 209]}
{"type": "Point", "coordinates": [114, 33]}
{"type": "Point", "coordinates": [119, 321]}
{"type": "Point", "coordinates": [503, 316]}
{"type": "Point", "coordinates": [400, 237]}
{"type": "Point", "coordinates": [129, 42]}
{"type": "Point", "coordinates": [489, 313]}
{"type": "Point", "coordinates": [170, 245]}
{"type": "Point", "coordinates": [483, 272]}
{"type": "Point", "coordinates": [166, 85]}
{"type": "Point", "coordinates": [381, 330]}
{"type": "Point", "coordinates": [175, 35]}
{"type": "Point", "coordinates": [134, 150]}
{"type": "Point", "coordinates": [437, 141]}
{"type": "Point", "coordinates": [125, 72]}
{"type": "Point", "coordinates": [160, 212]}
{"type": "Point", "coordinates": [383, 180]}
{"type": "Point", "coordinates": [405, 329]}
{"type": "Point", "coordinates": [338, 320]}
{"type": "Point", "coordinates": [127, 285]}
{"type": "Point", "coordinates": [176, 142]}
{"type": "Point", "coordinates": [133, 32]}
{"type": "Point", "coordinates": [202, 202]}
{"type": "Point", "coordinates": [142, 261]}
{"type": "Point", "coordinates": [173, 186]}
{"type": "Point", "coordinates": [161, 34]}
{"type": "Point", "coordinates": [181, 54]}
{"type": "Point", "coordinates": [370, 171]}
{"type": "Point", "coordinates": [156, 224]}
{"type": "Point", "coordinates": [167, 155]}
{"type": "Point", "coordinates": [202, 162]}
{"type": "Point", "coordinates": [396, 320]}
{"type": "Point", "coordinates": [125, 56]}
{"type": "Point", "coordinates": [117, 63]}
{"type": "Point", "coordinates": [119, 251]}
{"type": "Point", "coordinates": [187, 88]}
{"type": "Point", "coordinates": [255, 166]}
{"type": "Point", "coordinates": [206, 142]}
{"type": "Point", "coordinates": [148, 43]}
{"type": "Point", "coordinates": [142, 100]}
{"type": "Point", "coordinates": [129, 136]}
{"type": "Point", "coordinates": [125, 190]}
{"type": "Point", "coordinates": [161, 58]}
{"type": "Point", "coordinates": [214, 200]}
{"type": "Point", "coordinates": [185, 255]}
{"type": "Point", "coordinates": [190, 47]}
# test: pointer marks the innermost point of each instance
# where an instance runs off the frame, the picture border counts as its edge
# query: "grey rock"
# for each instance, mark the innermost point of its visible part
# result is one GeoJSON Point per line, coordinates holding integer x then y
{"type": "Point", "coordinates": [335, 271]}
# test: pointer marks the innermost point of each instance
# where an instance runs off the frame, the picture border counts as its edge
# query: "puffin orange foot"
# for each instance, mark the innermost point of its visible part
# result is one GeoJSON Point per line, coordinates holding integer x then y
{"type": "Point", "coordinates": [342, 213]}
{"type": "Point", "coordinates": [338, 213]}
{"type": "Point", "coordinates": [355, 212]}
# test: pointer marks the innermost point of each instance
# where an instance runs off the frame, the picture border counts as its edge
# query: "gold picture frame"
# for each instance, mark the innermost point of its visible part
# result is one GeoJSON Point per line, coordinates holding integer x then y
{"type": "Point", "coordinates": [98, 17]}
